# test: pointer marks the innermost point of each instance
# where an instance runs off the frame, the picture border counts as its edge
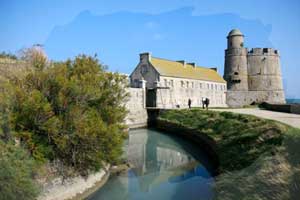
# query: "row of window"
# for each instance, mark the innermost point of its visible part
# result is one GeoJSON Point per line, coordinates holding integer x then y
{"type": "Point", "coordinates": [195, 101]}
{"type": "Point", "coordinates": [191, 84]}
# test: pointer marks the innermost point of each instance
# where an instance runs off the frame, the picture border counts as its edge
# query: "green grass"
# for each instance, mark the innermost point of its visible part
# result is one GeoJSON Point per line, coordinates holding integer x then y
{"type": "Point", "coordinates": [241, 139]}
{"type": "Point", "coordinates": [259, 158]}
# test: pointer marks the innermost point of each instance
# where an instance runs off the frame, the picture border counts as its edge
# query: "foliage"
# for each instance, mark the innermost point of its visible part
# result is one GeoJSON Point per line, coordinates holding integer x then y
{"type": "Point", "coordinates": [3, 54]}
{"type": "Point", "coordinates": [16, 173]}
{"type": "Point", "coordinates": [72, 112]}
{"type": "Point", "coordinates": [241, 139]}
{"type": "Point", "coordinates": [35, 56]}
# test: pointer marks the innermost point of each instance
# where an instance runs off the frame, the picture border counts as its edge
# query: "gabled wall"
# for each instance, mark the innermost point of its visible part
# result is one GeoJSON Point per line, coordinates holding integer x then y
{"type": "Point", "coordinates": [144, 71]}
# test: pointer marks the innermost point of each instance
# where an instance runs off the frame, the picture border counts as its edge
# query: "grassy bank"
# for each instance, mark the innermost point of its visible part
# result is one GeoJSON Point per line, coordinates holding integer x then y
{"type": "Point", "coordinates": [259, 158]}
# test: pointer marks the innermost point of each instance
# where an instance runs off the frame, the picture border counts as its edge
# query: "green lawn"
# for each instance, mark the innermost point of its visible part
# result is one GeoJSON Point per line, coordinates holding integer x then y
{"type": "Point", "coordinates": [259, 158]}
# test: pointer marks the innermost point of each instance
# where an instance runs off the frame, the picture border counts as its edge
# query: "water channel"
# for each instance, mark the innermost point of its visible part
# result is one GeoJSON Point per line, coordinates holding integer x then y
{"type": "Point", "coordinates": [164, 167]}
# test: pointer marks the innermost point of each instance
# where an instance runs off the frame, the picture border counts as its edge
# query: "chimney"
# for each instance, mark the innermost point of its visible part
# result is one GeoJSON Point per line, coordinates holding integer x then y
{"type": "Point", "coordinates": [145, 56]}
{"type": "Point", "coordinates": [193, 64]}
{"type": "Point", "coordinates": [214, 68]}
{"type": "Point", "coordinates": [182, 62]}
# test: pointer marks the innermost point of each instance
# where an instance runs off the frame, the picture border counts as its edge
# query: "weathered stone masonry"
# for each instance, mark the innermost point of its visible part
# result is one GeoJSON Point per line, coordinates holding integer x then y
{"type": "Point", "coordinates": [252, 76]}
{"type": "Point", "coordinates": [174, 82]}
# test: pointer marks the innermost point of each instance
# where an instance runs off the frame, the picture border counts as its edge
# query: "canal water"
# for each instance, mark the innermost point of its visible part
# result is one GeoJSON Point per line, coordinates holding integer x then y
{"type": "Point", "coordinates": [164, 167]}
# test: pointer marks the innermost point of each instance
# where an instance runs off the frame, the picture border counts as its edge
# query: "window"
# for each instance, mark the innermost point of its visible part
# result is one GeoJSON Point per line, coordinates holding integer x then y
{"type": "Point", "coordinates": [265, 50]}
{"type": "Point", "coordinates": [136, 83]}
{"type": "Point", "coordinates": [216, 87]}
{"type": "Point", "coordinates": [242, 44]}
{"type": "Point", "coordinates": [172, 83]}
{"type": "Point", "coordinates": [187, 84]}
{"type": "Point", "coordinates": [212, 86]}
{"type": "Point", "coordinates": [166, 82]}
{"type": "Point", "coordinates": [182, 84]}
{"type": "Point", "coordinates": [200, 85]}
{"type": "Point", "coordinates": [144, 69]}
{"type": "Point", "coordinates": [207, 86]}
{"type": "Point", "coordinates": [192, 84]}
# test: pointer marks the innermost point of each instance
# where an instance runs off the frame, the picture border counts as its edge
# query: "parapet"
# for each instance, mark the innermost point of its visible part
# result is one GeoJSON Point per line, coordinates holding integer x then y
{"type": "Point", "coordinates": [263, 52]}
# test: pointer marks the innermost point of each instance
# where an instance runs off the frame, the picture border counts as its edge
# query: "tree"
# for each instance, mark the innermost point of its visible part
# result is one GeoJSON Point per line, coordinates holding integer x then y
{"type": "Point", "coordinates": [3, 54]}
{"type": "Point", "coordinates": [72, 112]}
{"type": "Point", "coordinates": [35, 56]}
{"type": "Point", "coordinates": [16, 173]}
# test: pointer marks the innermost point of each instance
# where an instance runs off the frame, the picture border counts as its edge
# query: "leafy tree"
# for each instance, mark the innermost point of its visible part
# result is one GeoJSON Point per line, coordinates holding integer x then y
{"type": "Point", "coordinates": [3, 54]}
{"type": "Point", "coordinates": [16, 173]}
{"type": "Point", "coordinates": [72, 112]}
{"type": "Point", "coordinates": [34, 55]}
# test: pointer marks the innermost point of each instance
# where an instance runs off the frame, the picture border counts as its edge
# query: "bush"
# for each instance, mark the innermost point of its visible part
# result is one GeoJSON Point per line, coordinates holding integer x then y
{"type": "Point", "coordinates": [72, 112]}
{"type": "Point", "coordinates": [16, 174]}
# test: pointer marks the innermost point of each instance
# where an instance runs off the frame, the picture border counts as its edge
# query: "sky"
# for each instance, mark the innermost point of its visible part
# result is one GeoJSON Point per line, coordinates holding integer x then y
{"type": "Point", "coordinates": [118, 30]}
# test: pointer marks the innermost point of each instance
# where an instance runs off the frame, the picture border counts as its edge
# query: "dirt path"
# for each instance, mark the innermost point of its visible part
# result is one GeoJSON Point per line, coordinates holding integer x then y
{"type": "Point", "coordinates": [287, 118]}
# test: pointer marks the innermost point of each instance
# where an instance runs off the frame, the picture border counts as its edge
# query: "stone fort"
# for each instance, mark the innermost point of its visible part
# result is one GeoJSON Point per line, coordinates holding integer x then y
{"type": "Point", "coordinates": [252, 76]}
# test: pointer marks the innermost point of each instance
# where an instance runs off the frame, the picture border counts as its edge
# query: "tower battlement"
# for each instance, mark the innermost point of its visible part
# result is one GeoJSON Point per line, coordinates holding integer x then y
{"type": "Point", "coordinates": [263, 52]}
{"type": "Point", "coordinates": [252, 76]}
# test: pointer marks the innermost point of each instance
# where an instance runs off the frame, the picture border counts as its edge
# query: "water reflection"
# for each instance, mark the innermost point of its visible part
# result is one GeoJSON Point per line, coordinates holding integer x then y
{"type": "Point", "coordinates": [164, 167]}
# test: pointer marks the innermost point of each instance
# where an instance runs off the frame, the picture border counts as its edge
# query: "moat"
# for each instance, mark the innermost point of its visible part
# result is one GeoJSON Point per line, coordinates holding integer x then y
{"type": "Point", "coordinates": [163, 166]}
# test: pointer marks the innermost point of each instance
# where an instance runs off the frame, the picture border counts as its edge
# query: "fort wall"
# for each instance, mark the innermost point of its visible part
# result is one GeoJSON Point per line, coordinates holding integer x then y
{"type": "Point", "coordinates": [173, 92]}
{"type": "Point", "coordinates": [136, 106]}
{"type": "Point", "coordinates": [262, 73]}
{"type": "Point", "coordinates": [236, 69]}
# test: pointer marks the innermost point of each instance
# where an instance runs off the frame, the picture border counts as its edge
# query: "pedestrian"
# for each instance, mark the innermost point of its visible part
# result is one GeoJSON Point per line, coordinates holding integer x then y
{"type": "Point", "coordinates": [206, 103]}
{"type": "Point", "coordinates": [203, 102]}
{"type": "Point", "coordinates": [189, 103]}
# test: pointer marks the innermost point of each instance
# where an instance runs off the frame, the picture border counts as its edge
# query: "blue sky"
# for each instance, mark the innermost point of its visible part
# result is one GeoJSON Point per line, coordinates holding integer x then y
{"type": "Point", "coordinates": [117, 30]}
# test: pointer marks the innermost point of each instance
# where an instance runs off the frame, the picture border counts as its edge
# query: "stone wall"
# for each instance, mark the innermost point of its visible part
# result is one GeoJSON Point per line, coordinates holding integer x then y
{"type": "Point", "coordinates": [242, 98]}
{"type": "Point", "coordinates": [252, 77]}
{"type": "Point", "coordinates": [136, 106]}
{"type": "Point", "coordinates": [176, 91]}
{"type": "Point", "coordinates": [144, 71]}
{"type": "Point", "coordinates": [73, 188]}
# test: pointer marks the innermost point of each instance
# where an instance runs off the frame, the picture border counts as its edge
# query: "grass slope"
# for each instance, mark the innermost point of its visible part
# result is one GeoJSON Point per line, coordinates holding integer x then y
{"type": "Point", "coordinates": [259, 158]}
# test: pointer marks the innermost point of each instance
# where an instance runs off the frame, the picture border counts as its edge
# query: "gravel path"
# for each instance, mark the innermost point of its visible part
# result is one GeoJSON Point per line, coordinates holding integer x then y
{"type": "Point", "coordinates": [287, 118]}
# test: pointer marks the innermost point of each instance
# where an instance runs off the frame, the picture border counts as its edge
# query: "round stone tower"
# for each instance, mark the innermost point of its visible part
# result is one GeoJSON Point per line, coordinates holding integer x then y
{"type": "Point", "coordinates": [265, 75]}
{"type": "Point", "coordinates": [235, 72]}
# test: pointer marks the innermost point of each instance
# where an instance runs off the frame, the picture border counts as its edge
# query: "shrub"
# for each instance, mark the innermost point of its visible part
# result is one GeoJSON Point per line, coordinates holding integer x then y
{"type": "Point", "coordinates": [72, 112]}
{"type": "Point", "coordinates": [16, 173]}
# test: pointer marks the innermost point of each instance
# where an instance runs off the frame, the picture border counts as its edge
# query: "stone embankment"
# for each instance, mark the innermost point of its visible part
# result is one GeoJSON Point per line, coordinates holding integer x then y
{"type": "Point", "coordinates": [74, 188]}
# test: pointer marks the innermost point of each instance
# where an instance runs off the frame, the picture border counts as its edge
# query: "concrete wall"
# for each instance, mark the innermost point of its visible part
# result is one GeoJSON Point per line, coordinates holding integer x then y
{"type": "Point", "coordinates": [177, 91]}
{"type": "Point", "coordinates": [137, 116]}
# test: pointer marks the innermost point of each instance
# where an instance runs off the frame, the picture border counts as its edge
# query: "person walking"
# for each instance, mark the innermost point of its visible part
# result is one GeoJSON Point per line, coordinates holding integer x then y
{"type": "Point", "coordinates": [203, 102]}
{"type": "Point", "coordinates": [206, 103]}
{"type": "Point", "coordinates": [190, 103]}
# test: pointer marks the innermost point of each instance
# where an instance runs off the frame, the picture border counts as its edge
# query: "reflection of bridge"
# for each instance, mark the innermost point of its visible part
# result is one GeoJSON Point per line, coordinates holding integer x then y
{"type": "Point", "coordinates": [155, 159]}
